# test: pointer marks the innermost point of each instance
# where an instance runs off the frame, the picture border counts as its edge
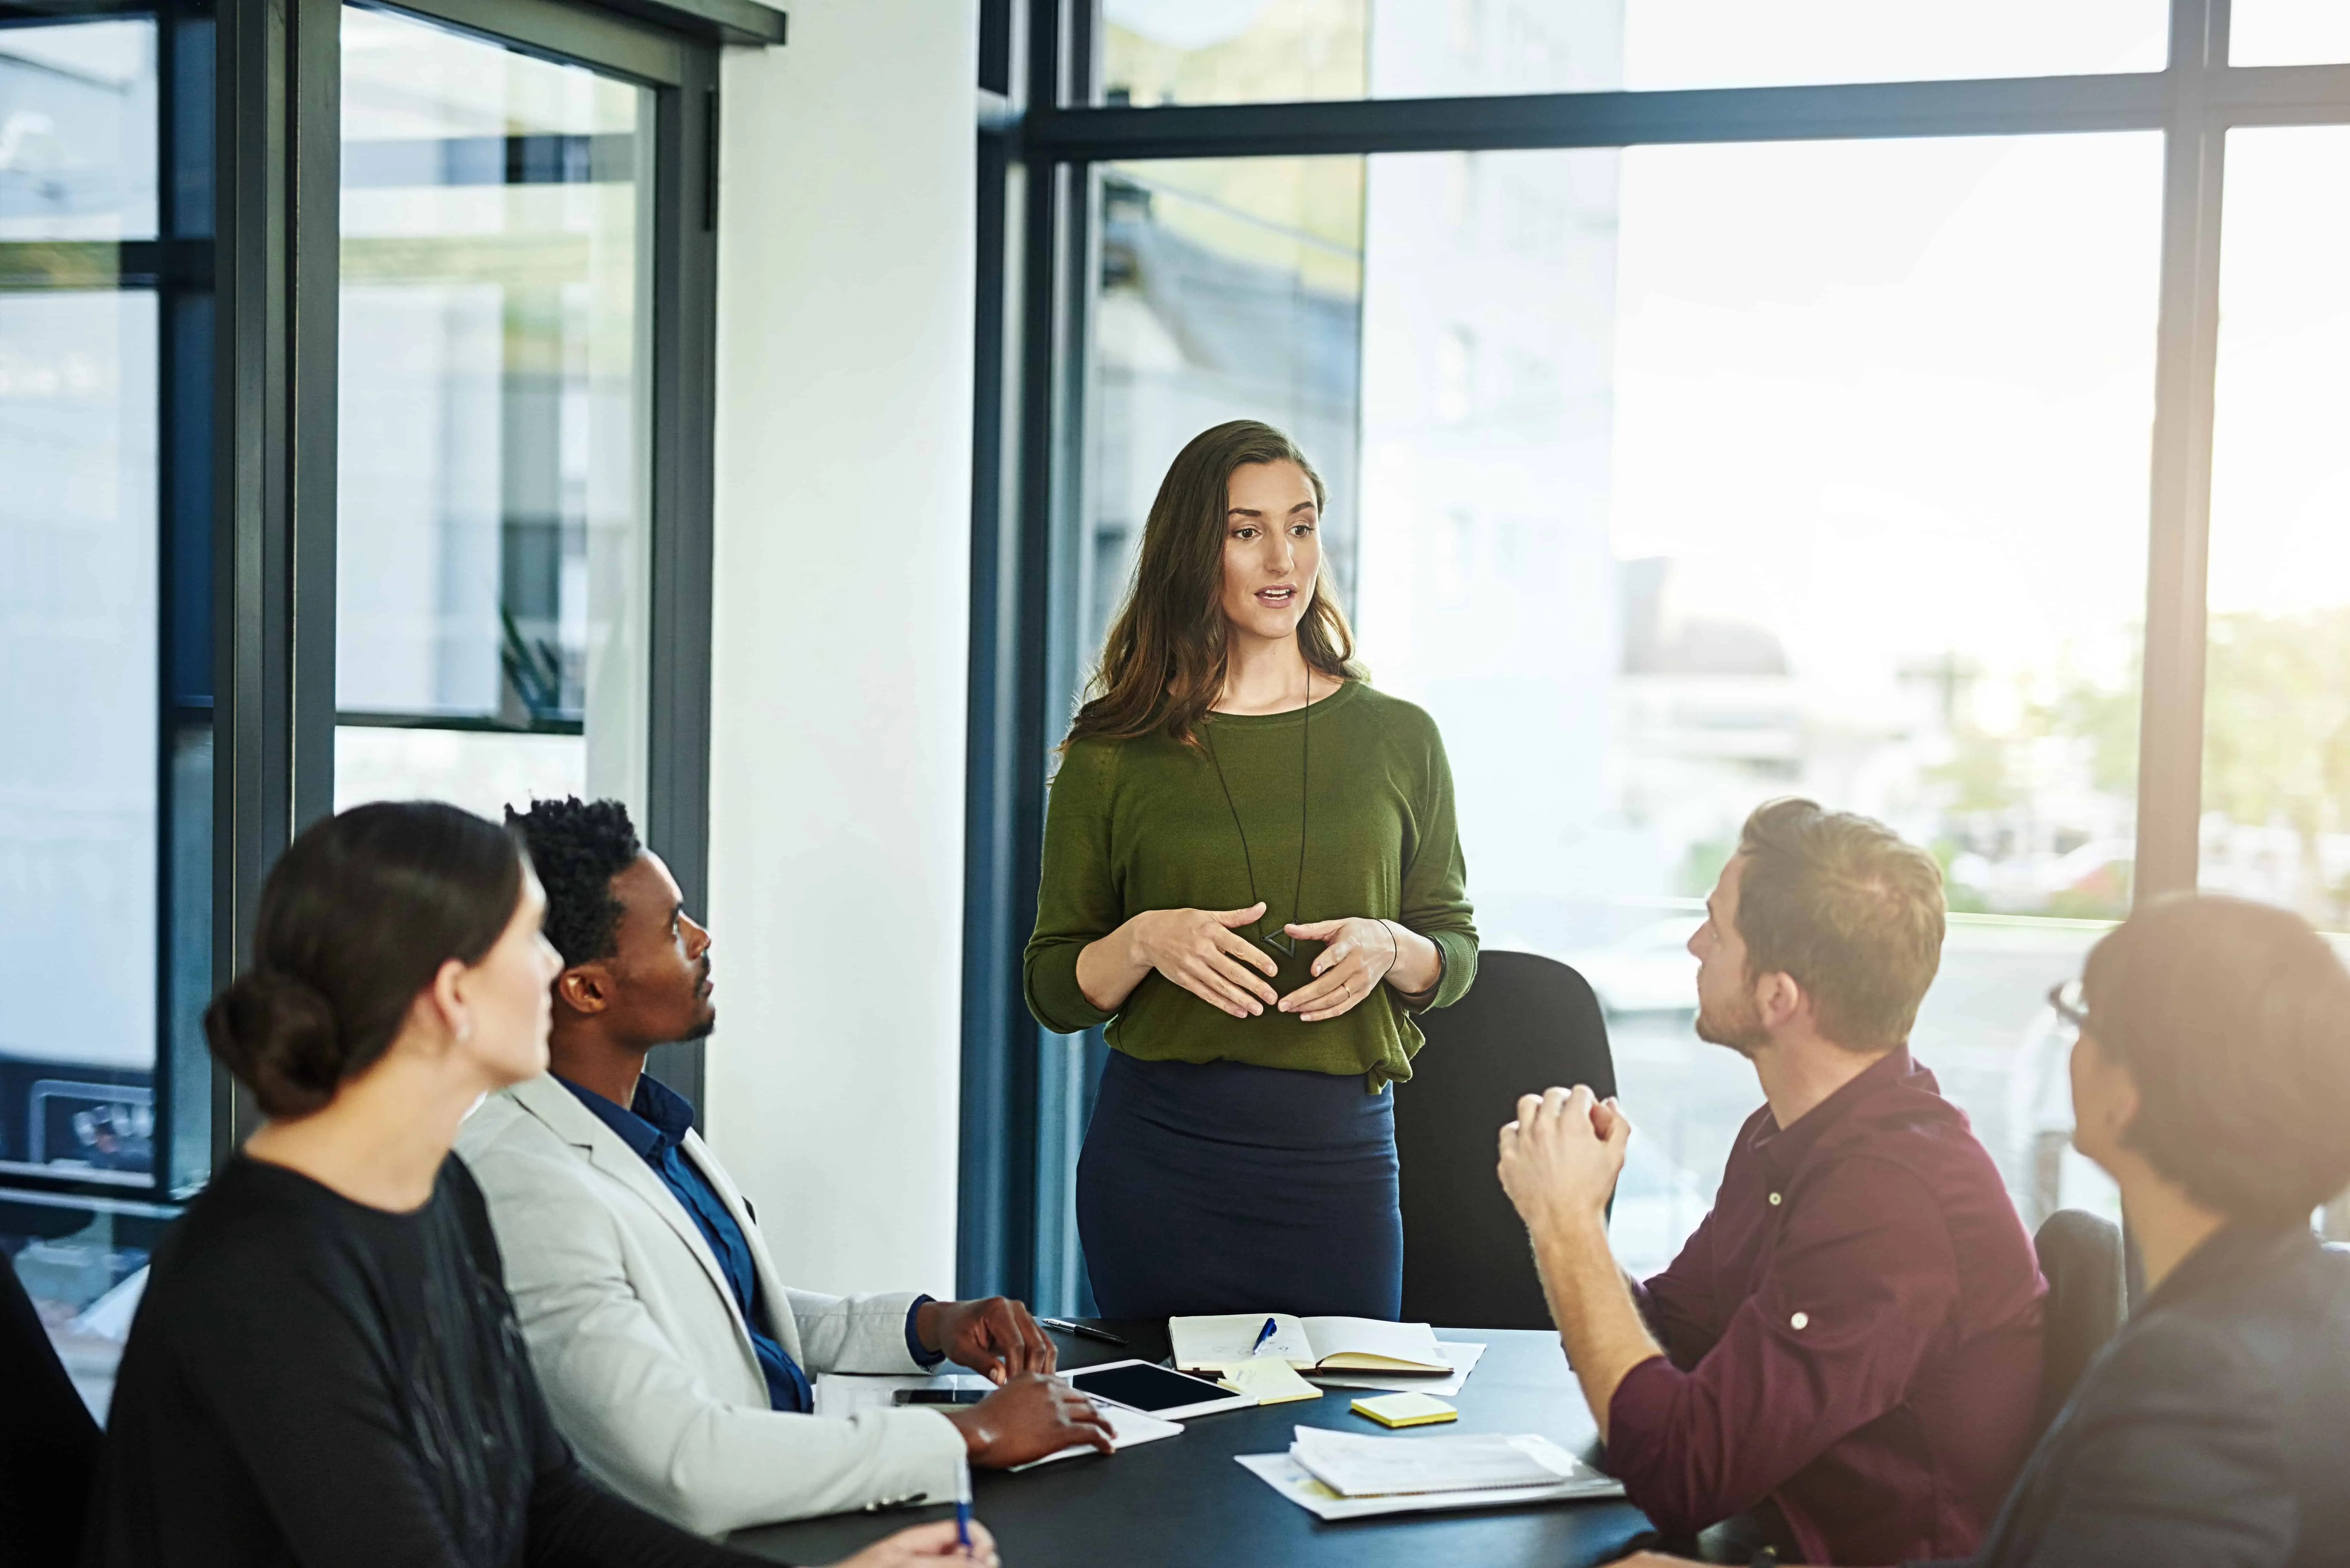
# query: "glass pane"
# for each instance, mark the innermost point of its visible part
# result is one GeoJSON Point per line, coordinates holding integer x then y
{"type": "Point", "coordinates": [1230, 289]}
{"type": "Point", "coordinates": [78, 131]}
{"type": "Point", "coordinates": [78, 777]}
{"type": "Point", "coordinates": [1693, 476]}
{"type": "Point", "coordinates": [494, 421]}
{"type": "Point", "coordinates": [2276, 710]}
{"type": "Point", "coordinates": [2288, 33]}
{"type": "Point", "coordinates": [1266, 51]}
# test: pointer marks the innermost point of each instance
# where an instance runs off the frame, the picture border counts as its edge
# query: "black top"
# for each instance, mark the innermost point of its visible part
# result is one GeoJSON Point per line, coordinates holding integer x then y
{"type": "Point", "coordinates": [2213, 1432]}
{"type": "Point", "coordinates": [314, 1381]}
{"type": "Point", "coordinates": [48, 1444]}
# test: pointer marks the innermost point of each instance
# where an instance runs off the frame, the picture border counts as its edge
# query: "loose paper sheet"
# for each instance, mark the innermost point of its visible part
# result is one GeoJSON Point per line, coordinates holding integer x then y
{"type": "Point", "coordinates": [1361, 1466]}
{"type": "Point", "coordinates": [1127, 1428]}
{"type": "Point", "coordinates": [1273, 1380]}
{"type": "Point", "coordinates": [1290, 1478]}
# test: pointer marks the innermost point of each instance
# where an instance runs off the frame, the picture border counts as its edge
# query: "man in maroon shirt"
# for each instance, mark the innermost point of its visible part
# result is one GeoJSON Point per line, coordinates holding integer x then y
{"type": "Point", "coordinates": [1850, 1345]}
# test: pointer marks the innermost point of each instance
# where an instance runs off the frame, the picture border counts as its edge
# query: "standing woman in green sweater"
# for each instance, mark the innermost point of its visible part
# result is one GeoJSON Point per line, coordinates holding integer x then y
{"type": "Point", "coordinates": [1251, 874]}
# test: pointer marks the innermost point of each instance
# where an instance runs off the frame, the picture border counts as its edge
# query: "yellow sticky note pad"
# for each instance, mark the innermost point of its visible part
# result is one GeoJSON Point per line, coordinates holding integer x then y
{"type": "Point", "coordinates": [1273, 1380]}
{"type": "Point", "coordinates": [1406, 1410]}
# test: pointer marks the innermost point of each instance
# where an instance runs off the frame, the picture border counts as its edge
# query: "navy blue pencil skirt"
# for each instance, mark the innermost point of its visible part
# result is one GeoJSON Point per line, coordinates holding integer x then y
{"type": "Point", "coordinates": [1219, 1187]}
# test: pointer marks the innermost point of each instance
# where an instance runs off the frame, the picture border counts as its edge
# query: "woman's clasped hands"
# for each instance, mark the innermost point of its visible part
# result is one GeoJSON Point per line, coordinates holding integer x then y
{"type": "Point", "coordinates": [1202, 951]}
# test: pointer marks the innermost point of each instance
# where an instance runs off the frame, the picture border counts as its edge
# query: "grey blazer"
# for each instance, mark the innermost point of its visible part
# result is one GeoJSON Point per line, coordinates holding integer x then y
{"type": "Point", "coordinates": [2213, 1432]}
{"type": "Point", "coordinates": [643, 1355]}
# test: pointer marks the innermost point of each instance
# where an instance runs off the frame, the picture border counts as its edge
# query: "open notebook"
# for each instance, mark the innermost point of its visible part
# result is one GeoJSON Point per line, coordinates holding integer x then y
{"type": "Point", "coordinates": [1308, 1343]}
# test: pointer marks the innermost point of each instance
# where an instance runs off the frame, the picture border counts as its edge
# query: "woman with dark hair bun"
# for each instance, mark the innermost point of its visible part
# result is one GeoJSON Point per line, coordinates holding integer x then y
{"type": "Point", "coordinates": [326, 1368]}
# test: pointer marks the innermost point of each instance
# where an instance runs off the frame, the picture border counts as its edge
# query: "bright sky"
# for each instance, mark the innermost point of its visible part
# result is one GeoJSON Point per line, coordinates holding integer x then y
{"type": "Point", "coordinates": [1895, 396]}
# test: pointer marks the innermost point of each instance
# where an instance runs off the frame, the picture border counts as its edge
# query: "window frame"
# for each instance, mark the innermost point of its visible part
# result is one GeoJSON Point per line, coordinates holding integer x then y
{"type": "Point", "coordinates": [1025, 1098]}
{"type": "Point", "coordinates": [681, 68]}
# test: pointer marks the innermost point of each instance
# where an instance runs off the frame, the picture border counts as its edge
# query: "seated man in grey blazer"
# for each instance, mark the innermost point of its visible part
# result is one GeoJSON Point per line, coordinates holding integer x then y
{"type": "Point", "coordinates": [671, 1353]}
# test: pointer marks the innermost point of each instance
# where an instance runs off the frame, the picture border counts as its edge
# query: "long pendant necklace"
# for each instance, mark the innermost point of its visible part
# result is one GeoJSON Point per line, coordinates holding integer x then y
{"type": "Point", "coordinates": [1283, 940]}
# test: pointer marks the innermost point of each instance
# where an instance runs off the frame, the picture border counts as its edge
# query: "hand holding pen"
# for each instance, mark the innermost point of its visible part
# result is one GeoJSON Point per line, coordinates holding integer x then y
{"type": "Point", "coordinates": [926, 1546]}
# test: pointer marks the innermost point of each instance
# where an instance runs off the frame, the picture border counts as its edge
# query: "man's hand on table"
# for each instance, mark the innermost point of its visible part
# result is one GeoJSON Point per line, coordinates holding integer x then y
{"type": "Point", "coordinates": [995, 1336]}
{"type": "Point", "coordinates": [1030, 1417]}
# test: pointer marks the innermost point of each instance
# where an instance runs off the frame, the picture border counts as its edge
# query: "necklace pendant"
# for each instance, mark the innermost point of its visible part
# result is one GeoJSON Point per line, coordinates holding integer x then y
{"type": "Point", "coordinates": [1283, 942]}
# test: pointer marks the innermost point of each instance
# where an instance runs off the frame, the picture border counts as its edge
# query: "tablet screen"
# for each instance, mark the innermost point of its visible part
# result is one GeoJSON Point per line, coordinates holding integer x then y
{"type": "Point", "coordinates": [1150, 1389]}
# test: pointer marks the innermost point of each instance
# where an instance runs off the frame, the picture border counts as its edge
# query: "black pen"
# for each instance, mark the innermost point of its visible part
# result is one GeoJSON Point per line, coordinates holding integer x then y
{"type": "Point", "coordinates": [1084, 1330]}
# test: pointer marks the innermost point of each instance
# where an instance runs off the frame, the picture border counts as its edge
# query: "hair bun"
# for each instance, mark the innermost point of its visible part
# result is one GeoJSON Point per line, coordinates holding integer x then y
{"type": "Point", "coordinates": [276, 1033]}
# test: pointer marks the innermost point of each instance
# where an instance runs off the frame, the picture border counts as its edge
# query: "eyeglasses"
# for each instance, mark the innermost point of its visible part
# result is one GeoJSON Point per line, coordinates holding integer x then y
{"type": "Point", "coordinates": [2071, 1003]}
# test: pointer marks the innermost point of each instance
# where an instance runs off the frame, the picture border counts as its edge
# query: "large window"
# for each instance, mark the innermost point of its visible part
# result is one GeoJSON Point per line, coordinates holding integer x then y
{"type": "Point", "coordinates": [1690, 476]}
{"type": "Point", "coordinates": [2276, 712]}
{"type": "Point", "coordinates": [1691, 448]}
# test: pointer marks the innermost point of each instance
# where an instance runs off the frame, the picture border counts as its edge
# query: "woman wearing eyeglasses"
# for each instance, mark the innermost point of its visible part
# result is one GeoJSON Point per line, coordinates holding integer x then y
{"type": "Point", "coordinates": [1251, 874]}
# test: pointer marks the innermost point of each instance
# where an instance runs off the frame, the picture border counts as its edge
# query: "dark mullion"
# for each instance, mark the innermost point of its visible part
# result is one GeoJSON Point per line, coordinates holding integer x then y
{"type": "Point", "coordinates": [1991, 107]}
{"type": "Point", "coordinates": [2170, 727]}
{"type": "Point", "coordinates": [991, 951]}
{"type": "Point", "coordinates": [312, 395]}
{"type": "Point", "coordinates": [682, 299]}
{"type": "Point", "coordinates": [252, 590]}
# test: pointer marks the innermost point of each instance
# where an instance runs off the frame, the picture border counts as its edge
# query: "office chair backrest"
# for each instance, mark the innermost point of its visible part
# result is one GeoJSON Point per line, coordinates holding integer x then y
{"type": "Point", "coordinates": [2081, 1257]}
{"type": "Point", "coordinates": [48, 1444]}
{"type": "Point", "coordinates": [1527, 1024]}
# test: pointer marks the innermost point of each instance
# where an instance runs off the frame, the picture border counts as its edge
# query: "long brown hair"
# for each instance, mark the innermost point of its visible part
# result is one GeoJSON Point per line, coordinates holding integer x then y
{"type": "Point", "coordinates": [1163, 664]}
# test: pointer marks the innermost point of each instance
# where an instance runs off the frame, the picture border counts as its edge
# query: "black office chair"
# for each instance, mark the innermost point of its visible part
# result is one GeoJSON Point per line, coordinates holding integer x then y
{"type": "Point", "coordinates": [1527, 1024]}
{"type": "Point", "coordinates": [2081, 1257]}
{"type": "Point", "coordinates": [48, 1444]}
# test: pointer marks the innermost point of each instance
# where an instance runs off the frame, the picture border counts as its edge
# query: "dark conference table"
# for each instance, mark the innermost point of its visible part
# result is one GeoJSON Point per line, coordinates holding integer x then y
{"type": "Point", "coordinates": [1184, 1500]}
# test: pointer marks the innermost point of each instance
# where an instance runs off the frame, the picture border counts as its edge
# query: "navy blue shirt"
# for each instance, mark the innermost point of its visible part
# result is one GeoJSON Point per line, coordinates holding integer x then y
{"type": "Point", "coordinates": [655, 1124]}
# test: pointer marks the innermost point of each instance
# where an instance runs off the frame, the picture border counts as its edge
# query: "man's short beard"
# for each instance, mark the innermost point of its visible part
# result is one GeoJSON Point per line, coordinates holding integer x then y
{"type": "Point", "coordinates": [1743, 1034]}
{"type": "Point", "coordinates": [702, 1030]}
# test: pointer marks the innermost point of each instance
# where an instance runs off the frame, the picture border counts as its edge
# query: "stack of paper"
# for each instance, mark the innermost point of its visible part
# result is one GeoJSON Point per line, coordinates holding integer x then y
{"type": "Point", "coordinates": [1338, 1475]}
{"type": "Point", "coordinates": [1357, 1466]}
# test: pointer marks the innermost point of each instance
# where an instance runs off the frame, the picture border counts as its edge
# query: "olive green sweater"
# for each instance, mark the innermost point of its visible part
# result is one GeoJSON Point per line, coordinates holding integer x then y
{"type": "Point", "coordinates": [1143, 825]}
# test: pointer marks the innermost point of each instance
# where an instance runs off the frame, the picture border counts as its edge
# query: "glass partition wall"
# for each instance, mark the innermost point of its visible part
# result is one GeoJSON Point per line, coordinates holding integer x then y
{"type": "Point", "coordinates": [1692, 447]}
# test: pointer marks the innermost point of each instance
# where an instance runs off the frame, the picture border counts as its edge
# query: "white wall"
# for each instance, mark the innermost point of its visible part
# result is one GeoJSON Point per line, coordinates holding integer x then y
{"type": "Point", "coordinates": [843, 517]}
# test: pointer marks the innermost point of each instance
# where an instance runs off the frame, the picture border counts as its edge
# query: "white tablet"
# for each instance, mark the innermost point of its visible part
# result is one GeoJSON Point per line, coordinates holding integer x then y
{"type": "Point", "coordinates": [1147, 1386]}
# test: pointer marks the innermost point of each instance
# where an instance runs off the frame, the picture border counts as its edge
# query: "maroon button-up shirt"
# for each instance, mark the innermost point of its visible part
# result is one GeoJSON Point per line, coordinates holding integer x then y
{"type": "Point", "coordinates": [1853, 1334]}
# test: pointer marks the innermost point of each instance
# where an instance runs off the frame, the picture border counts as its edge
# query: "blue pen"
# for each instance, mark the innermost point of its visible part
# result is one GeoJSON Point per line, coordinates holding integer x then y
{"type": "Point", "coordinates": [962, 1506]}
{"type": "Point", "coordinates": [1267, 1331]}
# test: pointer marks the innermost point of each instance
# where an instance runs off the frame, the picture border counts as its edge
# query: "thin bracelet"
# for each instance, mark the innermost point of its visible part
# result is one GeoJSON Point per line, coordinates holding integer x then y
{"type": "Point", "coordinates": [1433, 984]}
{"type": "Point", "coordinates": [1395, 951]}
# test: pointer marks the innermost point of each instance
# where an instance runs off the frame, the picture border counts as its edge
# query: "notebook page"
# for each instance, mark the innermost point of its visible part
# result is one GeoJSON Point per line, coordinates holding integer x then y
{"type": "Point", "coordinates": [1340, 1340]}
{"type": "Point", "coordinates": [1213, 1342]}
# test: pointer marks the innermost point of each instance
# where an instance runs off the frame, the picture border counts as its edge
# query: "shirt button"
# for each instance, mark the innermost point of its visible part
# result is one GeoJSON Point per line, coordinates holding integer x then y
{"type": "Point", "coordinates": [1774, 1200]}
{"type": "Point", "coordinates": [1801, 1320]}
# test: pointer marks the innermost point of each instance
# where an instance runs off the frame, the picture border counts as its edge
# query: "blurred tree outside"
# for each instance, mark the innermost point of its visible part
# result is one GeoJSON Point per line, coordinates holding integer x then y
{"type": "Point", "coordinates": [2276, 737]}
